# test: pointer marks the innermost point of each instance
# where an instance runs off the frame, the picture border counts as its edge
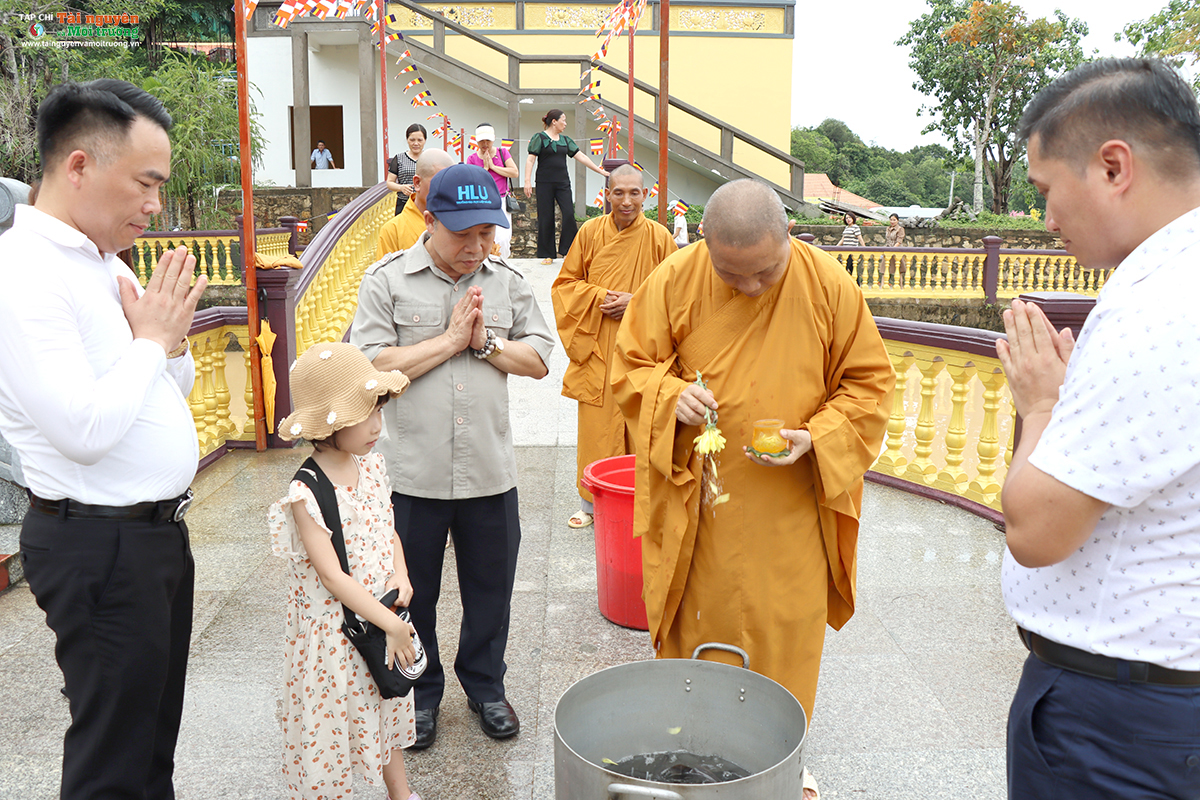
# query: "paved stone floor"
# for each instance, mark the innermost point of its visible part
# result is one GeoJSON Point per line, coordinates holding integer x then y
{"type": "Point", "coordinates": [912, 701]}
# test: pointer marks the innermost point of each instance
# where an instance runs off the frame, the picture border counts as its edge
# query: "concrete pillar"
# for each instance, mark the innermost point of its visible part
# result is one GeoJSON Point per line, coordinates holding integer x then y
{"type": "Point", "coordinates": [367, 105]}
{"type": "Point", "coordinates": [301, 121]}
{"type": "Point", "coordinates": [580, 170]}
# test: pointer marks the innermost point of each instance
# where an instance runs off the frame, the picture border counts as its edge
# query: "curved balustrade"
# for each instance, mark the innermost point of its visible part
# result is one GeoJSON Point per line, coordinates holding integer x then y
{"type": "Point", "coordinates": [950, 433]}
{"type": "Point", "coordinates": [218, 253]}
{"type": "Point", "coordinates": [1024, 271]}
{"type": "Point", "coordinates": [222, 392]}
{"type": "Point", "coordinates": [334, 263]}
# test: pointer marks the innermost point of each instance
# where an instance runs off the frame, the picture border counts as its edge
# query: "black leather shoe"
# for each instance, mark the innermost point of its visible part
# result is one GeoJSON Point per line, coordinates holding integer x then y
{"type": "Point", "coordinates": [426, 728]}
{"type": "Point", "coordinates": [498, 719]}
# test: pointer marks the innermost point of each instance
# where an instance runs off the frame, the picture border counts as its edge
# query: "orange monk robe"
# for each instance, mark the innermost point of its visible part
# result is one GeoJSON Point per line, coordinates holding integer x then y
{"type": "Point", "coordinates": [768, 568]}
{"type": "Point", "coordinates": [401, 231]}
{"type": "Point", "coordinates": [602, 259]}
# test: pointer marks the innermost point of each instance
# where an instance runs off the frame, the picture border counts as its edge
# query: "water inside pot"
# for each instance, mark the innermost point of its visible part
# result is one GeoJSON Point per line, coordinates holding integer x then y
{"type": "Point", "coordinates": [678, 766]}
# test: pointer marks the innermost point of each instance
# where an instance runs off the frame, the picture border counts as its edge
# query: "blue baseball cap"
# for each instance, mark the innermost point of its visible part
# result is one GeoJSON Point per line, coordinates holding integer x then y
{"type": "Point", "coordinates": [465, 195]}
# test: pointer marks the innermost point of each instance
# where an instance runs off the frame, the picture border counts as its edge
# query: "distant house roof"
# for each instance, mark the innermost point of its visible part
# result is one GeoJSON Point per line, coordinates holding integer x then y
{"type": "Point", "coordinates": [817, 186]}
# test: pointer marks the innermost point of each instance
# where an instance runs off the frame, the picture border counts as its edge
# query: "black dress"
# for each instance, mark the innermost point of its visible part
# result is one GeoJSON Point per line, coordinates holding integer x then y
{"type": "Point", "coordinates": [552, 184]}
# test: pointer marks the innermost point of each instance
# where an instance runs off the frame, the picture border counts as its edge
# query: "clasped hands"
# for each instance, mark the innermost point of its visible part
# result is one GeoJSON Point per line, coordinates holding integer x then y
{"type": "Point", "coordinates": [466, 327]}
{"type": "Point", "coordinates": [614, 304]}
{"type": "Point", "coordinates": [164, 312]}
{"type": "Point", "coordinates": [1034, 358]}
{"type": "Point", "coordinates": [689, 410]}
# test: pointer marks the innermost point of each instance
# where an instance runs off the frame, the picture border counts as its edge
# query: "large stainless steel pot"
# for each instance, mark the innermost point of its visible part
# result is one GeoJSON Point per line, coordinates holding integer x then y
{"type": "Point", "coordinates": [702, 707]}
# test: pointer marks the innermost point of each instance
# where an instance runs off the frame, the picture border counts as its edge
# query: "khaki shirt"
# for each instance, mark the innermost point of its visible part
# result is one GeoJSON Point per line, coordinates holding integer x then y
{"type": "Point", "coordinates": [448, 436]}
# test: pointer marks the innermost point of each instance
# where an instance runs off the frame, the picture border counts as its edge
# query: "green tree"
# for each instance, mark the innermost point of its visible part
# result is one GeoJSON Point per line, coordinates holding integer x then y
{"type": "Point", "coordinates": [981, 63]}
{"type": "Point", "coordinates": [1173, 33]}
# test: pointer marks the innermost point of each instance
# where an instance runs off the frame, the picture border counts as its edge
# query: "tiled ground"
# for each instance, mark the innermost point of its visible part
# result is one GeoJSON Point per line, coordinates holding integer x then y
{"type": "Point", "coordinates": [912, 701]}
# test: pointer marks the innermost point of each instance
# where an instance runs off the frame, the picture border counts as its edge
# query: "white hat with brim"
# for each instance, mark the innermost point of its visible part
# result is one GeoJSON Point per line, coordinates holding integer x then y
{"type": "Point", "coordinates": [334, 386]}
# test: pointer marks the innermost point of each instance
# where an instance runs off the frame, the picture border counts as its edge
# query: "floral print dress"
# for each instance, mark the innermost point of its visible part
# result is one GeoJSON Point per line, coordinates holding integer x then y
{"type": "Point", "coordinates": [334, 721]}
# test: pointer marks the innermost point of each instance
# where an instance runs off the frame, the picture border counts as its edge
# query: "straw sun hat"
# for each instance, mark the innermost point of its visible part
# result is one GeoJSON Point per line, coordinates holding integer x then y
{"type": "Point", "coordinates": [334, 386]}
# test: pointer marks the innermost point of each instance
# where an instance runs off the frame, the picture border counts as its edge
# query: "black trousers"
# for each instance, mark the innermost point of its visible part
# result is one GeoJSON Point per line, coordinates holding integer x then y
{"type": "Point", "coordinates": [547, 195]}
{"type": "Point", "coordinates": [487, 534]}
{"type": "Point", "coordinates": [118, 596]}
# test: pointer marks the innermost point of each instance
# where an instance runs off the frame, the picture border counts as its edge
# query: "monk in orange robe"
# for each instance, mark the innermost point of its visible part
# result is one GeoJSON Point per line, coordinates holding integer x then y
{"type": "Point", "coordinates": [608, 261]}
{"type": "Point", "coordinates": [778, 330]}
{"type": "Point", "coordinates": [406, 228]}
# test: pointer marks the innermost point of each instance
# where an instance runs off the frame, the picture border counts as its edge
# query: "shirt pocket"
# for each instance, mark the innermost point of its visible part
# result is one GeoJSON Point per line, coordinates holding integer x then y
{"type": "Point", "coordinates": [416, 322]}
{"type": "Point", "coordinates": [499, 319]}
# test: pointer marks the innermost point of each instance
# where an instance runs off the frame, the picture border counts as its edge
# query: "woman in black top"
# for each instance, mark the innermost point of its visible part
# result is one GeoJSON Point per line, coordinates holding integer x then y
{"type": "Point", "coordinates": [403, 166]}
{"type": "Point", "coordinates": [550, 149]}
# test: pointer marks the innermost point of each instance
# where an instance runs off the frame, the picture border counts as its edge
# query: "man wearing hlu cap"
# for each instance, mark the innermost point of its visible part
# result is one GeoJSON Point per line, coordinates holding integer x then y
{"type": "Point", "coordinates": [457, 322]}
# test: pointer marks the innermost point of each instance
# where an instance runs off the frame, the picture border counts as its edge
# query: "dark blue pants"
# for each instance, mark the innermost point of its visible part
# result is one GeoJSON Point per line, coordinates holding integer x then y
{"type": "Point", "coordinates": [118, 596]}
{"type": "Point", "coordinates": [547, 195]}
{"type": "Point", "coordinates": [487, 533]}
{"type": "Point", "coordinates": [1072, 737]}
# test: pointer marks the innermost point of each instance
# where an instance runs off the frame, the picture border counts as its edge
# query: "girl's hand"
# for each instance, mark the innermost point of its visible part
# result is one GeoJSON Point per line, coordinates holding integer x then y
{"type": "Point", "coordinates": [400, 649]}
{"type": "Point", "coordinates": [401, 584]}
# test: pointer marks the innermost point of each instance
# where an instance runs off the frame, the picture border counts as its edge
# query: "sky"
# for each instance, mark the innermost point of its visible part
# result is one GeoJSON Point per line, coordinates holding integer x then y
{"type": "Point", "coordinates": [874, 94]}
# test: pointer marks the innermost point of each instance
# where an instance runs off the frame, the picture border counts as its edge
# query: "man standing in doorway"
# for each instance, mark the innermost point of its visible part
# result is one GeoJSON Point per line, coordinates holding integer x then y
{"type": "Point", "coordinates": [1102, 501]}
{"type": "Point", "coordinates": [322, 158]}
{"type": "Point", "coordinates": [93, 379]}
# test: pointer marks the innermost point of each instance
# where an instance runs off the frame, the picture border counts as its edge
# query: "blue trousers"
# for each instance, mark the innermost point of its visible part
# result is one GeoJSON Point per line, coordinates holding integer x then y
{"type": "Point", "coordinates": [1073, 737]}
{"type": "Point", "coordinates": [486, 533]}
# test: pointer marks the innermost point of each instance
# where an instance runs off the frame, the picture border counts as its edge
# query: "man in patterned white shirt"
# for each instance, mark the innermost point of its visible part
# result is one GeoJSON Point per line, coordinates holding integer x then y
{"type": "Point", "coordinates": [1102, 502]}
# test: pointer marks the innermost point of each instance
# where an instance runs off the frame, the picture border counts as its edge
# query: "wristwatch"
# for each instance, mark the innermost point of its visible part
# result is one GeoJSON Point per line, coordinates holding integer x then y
{"type": "Point", "coordinates": [497, 350]}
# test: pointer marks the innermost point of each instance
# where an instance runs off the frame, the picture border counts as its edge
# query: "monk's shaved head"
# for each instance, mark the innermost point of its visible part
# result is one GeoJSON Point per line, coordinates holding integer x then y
{"type": "Point", "coordinates": [431, 162]}
{"type": "Point", "coordinates": [743, 213]}
{"type": "Point", "coordinates": [627, 170]}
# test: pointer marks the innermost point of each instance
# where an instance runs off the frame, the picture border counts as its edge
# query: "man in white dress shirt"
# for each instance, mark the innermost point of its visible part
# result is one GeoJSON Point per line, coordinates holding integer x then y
{"type": "Point", "coordinates": [1102, 502]}
{"type": "Point", "coordinates": [93, 379]}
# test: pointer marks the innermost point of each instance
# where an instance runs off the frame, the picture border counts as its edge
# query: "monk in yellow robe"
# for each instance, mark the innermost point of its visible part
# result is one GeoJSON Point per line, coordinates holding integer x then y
{"type": "Point", "coordinates": [778, 330]}
{"type": "Point", "coordinates": [403, 230]}
{"type": "Point", "coordinates": [608, 261]}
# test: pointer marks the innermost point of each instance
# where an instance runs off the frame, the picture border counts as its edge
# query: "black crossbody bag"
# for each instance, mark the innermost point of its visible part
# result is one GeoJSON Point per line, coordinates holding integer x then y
{"type": "Point", "coordinates": [368, 638]}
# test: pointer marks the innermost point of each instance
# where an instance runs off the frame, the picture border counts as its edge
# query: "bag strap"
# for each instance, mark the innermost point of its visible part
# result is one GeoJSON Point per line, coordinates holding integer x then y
{"type": "Point", "coordinates": [312, 476]}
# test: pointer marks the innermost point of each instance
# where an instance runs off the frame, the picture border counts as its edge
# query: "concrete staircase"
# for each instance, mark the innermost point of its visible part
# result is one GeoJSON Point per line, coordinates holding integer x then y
{"type": "Point", "coordinates": [511, 92]}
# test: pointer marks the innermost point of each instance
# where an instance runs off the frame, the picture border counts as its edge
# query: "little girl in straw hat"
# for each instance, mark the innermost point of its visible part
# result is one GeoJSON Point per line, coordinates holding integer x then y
{"type": "Point", "coordinates": [335, 721]}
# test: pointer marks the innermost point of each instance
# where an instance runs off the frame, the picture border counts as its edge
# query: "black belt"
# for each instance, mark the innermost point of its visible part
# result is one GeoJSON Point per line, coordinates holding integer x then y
{"type": "Point", "coordinates": [171, 510]}
{"type": "Point", "coordinates": [1098, 666]}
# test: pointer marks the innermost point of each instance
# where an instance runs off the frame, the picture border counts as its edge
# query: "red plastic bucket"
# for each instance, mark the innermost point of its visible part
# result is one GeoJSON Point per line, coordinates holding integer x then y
{"type": "Point", "coordinates": [618, 554]}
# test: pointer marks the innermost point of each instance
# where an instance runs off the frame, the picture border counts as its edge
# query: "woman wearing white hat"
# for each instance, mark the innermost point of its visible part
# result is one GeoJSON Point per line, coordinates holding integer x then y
{"type": "Point", "coordinates": [500, 165]}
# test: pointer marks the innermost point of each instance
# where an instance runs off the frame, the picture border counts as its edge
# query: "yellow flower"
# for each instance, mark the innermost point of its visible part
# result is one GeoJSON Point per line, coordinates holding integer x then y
{"type": "Point", "coordinates": [710, 440]}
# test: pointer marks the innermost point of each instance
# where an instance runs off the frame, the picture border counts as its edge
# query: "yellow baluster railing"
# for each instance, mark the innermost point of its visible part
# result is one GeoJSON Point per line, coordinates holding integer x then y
{"type": "Point", "coordinates": [216, 408]}
{"type": "Point", "coordinates": [272, 244]}
{"type": "Point", "coordinates": [951, 421]}
{"type": "Point", "coordinates": [213, 251]}
{"type": "Point", "coordinates": [327, 306]}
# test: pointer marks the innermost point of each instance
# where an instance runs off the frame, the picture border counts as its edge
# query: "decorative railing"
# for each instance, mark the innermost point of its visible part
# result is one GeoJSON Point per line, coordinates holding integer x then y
{"type": "Point", "coordinates": [334, 263]}
{"type": "Point", "coordinates": [951, 430]}
{"type": "Point", "coordinates": [218, 253]}
{"type": "Point", "coordinates": [221, 393]}
{"type": "Point", "coordinates": [988, 273]}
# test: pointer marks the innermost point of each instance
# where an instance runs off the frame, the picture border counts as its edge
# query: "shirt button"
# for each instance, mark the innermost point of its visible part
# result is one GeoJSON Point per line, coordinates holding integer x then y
{"type": "Point", "coordinates": [460, 387]}
{"type": "Point", "coordinates": [416, 317]}
{"type": "Point", "coordinates": [456, 288]}
{"type": "Point", "coordinates": [1193, 760]}
{"type": "Point", "coordinates": [495, 317]}
{"type": "Point", "coordinates": [459, 420]}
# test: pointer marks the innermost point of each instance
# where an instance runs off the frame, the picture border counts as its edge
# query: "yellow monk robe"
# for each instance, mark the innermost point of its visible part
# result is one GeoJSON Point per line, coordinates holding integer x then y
{"type": "Point", "coordinates": [401, 231]}
{"type": "Point", "coordinates": [766, 570]}
{"type": "Point", "coordinates": [601, 259]}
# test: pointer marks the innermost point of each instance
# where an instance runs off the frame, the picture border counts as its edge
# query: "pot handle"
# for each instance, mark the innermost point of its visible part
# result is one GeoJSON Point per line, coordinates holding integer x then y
{"type": "Point", "coordinates": [728, 648]}
{"type": "Point", "coordinates": [617, 789]}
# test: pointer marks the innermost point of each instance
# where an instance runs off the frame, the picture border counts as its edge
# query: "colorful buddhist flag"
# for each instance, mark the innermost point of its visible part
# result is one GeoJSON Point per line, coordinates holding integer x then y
{"type": "Point", "coordinates": [404, 55]}
{"type": "Point", "coordinates": [653, 191]}
{"type": "Point", "coordinates": [409, 68]}
{"type": "Point", "coordinates": [423, 99]}
{"type": "Point", "coordinates": [681, 208]}
{"type": "Point", "coordinates": [302, 226]}
{"type": "Point", "coordinates": [250, 6]}
{"type": "Point", "coordinates": [330, 215]}
{"type": "Point", "coordinates": [391, 37]}
{"type": "Point", "coordinates": [507, 144]}
{"type": "Point", "coordinates": [597, 146]}
{"type": "Point", "coordinates": [324, 8]}
{"type": "Point", "coordinates": [414, 82]}
{"type": "Point", "coordinates": [638, 167]}
{"type": "Point", "coordinates": [391, 19]}
{"type": "Point", "coordinates": [599, 201]}
{"type": "Point", "coordinates": [473, 144]}
{"type": "Point", "coordinates": [344, 7]}
{"type": "Point", "coordinates": [435, 115]}
{"type": "Point", "coordinates": [591, 88]}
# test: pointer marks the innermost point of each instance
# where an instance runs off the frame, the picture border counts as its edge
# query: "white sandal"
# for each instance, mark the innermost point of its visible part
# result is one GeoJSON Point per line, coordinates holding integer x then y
{"type": "Point", "coordinates": [580, 519]}
{"type": "Point", "coordinates": [809, 784]}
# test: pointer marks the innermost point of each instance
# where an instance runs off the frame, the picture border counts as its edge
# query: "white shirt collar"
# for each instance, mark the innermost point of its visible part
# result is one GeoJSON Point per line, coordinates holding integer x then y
{"type": "Point", "coordinates": [1158, 249]}
{"type": "Point", "coordinates": [55, 230]}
